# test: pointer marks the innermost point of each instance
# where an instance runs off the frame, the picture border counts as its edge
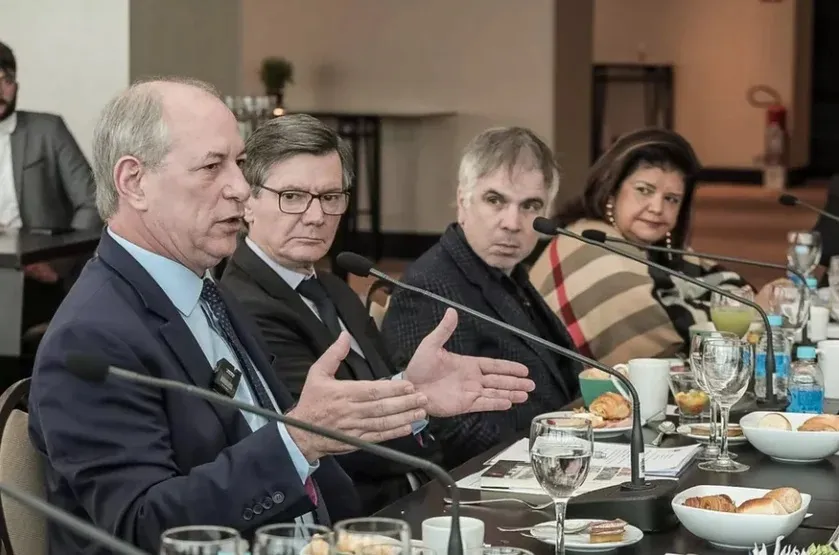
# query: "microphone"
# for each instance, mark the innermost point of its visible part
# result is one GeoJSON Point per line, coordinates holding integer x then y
{"type": "Point", "coordinates": [547, 227]}
{"type": "Point", "coordinates": [70, 521]}
{"type": "Point", "coordinates": [92, 368]}
{"type": "Point", "coordinates": [600, 237]}
{"type": "Point", "coordinates": [792, 200]}
{"type": "Point", "coordinates": [640, 502]}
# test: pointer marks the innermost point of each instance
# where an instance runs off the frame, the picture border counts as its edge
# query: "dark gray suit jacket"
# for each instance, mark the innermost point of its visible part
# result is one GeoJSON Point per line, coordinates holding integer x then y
{"type": "Point", "coordinates": [53, 180]}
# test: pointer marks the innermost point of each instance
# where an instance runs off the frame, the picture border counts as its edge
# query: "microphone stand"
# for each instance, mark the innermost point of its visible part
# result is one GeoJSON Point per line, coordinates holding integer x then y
{"type": "Point", "coordinates": [640, 502]}
{"type": "Point", "coordinates": [84, 367]}
{"type": "Point", "coordinates": [792, 200]}
{"type": "Point", "coordinates": [545, 226]}
{"type": "Point", "coordinates": [70, 521]}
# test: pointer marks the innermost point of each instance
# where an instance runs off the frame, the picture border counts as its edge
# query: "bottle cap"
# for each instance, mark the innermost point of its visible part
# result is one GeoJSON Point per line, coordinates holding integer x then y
{"type": "Point", "coordinates": [812, 283]}
{"type": "Point", "coordinates": [775, 320]}
{"type": "Point", "coordinates": [806, 352]}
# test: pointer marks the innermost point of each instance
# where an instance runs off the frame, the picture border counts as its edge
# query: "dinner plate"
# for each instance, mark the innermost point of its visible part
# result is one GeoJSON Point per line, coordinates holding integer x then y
{"type": "Point", "coordinates": [546, 532]}
{"type": "Point", "coordinates": [684, 430]}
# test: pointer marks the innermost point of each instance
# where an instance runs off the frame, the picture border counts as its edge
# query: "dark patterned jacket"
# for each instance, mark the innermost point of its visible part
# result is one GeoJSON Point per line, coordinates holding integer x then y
{"type": "Point", "coordinates": [452, 269]}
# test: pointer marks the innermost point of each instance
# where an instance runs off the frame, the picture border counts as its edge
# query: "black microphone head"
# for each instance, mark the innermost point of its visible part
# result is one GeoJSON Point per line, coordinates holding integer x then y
{"type": "Point", "coordinates": [88, 367]}
{"type": "Point", "coordinates": [594, 235]}
{"type": "Point", "coordinates": [788, 200]}
{"type": "Point", "coordinates": [354, 263]}
{"type": "Point", "coordinates": [544, 226]}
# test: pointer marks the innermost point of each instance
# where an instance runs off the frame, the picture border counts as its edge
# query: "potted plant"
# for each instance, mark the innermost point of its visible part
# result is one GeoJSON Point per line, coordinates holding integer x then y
{"type": "Point", "coordinates": [275, 74]}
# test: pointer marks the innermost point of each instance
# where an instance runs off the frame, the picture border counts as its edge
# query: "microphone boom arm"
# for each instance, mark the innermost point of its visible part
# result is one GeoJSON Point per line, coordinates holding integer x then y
{"type": "Point", "coordinates": [637, 440]}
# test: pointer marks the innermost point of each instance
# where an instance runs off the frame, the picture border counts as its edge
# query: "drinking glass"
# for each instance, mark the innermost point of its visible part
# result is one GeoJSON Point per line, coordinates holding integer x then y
{"type": "Point", "coordinates": [712, 450]}
{"type": "Point", "coordinates": [731, 315]}
{"type": "Point", "coordinates": [560, 454]}
{"type": "Point", "coordinates": [726, 369]}
{"type": "Point", "coordinates": [202, 540]}
{"type": "Point", "coordinates": [788, 301]}
{"type": "Point", "coordinates": [370, 531]}
{"type": "Point", "coordinates": [293, 539]}
{"type": "Point", "coordinates": [804, 250]}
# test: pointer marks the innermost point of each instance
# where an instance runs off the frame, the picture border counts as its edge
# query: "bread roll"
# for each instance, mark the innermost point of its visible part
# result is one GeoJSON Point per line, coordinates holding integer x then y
{"type": "Point", "coordinates": [789, 498]}
{"type": "Point", "coordinates": [775, 421]}
{"type": "Point", "coordinates": [720, 503]}
{"type": "Point", "coordinates": [761, 506]}
{"type": "Point", "coordinates": [611, 406]}
{"type": "Point", "coordinates": [821, 423]}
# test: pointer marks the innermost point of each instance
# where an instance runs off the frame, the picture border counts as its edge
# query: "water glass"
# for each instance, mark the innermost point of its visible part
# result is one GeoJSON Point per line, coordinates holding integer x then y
{"type": "Point", "coordinates": [789, 302]}
{"type": "Point", "coordinates": [292, 539]}
{"type": "Point", "coordinates": [726, 369]}
{"type": "Point", "coordinates": [202, 540]}
{"type": "Point", "coordinates": [357, 532]}
{"type": "Point", "coordinates": [712, 450]}
{"type": "Point", "coordinates": [560, 454]}
{"type": "Point", "coordinates": [804, 251]}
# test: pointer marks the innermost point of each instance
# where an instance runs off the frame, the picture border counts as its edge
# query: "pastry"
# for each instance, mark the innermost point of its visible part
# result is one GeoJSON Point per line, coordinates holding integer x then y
{"type": "Point", "coordinates": [789, 498]}
{"type": "Point", "coordinates": [775, 421]}
{"type": "Point", "coordinates": [607, 532]}
{"type": "Point", "coordinates": [720, 503]}
{"type": "Point", "coordinates": [761, 506]}
{"type": "Point", "coordinates": [820, 423]}
{"type": "Point", "coordinates": [611, 406]}
{"type": "Point", "coordinates": [704, 430]}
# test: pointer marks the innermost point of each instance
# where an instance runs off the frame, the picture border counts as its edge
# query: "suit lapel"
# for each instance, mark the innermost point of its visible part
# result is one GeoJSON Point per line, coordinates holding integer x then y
{"type": "Point", "coordinates": [277, 287]}
{"type": "Point", "coordinates": [356, 320]}
{"type": "Point", "coordinates": [502, 302]}
{"type": "Point", "coordinates": [173, 329]}
{"type": "Point", "coordinates": [18, 142]}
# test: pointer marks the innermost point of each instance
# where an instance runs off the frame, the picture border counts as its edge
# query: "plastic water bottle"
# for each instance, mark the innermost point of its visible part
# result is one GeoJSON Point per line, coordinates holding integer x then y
{"type": "Point", "coordinates": [782, 347]}
{"type": "Point", "coordinates": [806, 383]}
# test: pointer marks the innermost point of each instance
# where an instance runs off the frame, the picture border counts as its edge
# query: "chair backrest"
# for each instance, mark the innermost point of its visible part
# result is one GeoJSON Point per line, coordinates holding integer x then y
{"type": "Point", "coordinates": [378, 299]}
{"type": "Point", "coordinates": [22, 530]}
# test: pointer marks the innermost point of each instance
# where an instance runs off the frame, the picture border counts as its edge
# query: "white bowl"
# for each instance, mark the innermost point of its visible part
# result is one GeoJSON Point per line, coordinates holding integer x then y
{"type": "Point", "coordinates": [789, 446]}
{"type": "Point", "coordinates": [735, 531]}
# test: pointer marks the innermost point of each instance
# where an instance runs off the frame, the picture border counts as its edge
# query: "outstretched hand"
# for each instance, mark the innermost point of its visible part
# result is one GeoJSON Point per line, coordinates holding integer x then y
{"type": "Point", "coordinates": [457, 384]}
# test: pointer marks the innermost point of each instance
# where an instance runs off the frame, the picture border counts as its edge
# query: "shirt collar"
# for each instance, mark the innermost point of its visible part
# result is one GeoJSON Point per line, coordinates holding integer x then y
{"type": "Point", "coordinates": [292, 278]}
{"type": "Point", "coordinates": [179, 283]}
{"type": "Point", "coordinates": [8, 125]}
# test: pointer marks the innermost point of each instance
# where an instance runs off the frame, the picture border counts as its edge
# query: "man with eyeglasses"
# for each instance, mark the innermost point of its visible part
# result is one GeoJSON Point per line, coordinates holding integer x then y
{"type": "Point", "coordinates": [45, 183]}
{"type": "Point", "coordinates": [299, 172]}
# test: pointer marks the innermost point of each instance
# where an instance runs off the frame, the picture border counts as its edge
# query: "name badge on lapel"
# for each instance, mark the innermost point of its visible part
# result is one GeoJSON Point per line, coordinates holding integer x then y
{"type": "Point", "coordinates": [225, 378]}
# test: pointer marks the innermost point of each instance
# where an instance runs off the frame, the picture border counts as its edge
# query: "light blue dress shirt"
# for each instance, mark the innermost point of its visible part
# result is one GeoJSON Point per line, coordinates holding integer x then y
{"type": "Point", "coordinates": [183, 288]}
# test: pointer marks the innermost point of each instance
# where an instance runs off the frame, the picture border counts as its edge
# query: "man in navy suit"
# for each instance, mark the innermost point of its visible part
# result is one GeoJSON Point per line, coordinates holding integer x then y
{"type": "Point", "coordinates": [137, 460]}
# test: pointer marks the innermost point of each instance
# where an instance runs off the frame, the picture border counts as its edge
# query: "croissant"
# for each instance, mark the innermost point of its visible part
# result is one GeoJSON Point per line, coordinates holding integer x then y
{"type": "Point", "coordinates": [720, 503]}
{"type": "Point", "coordinates": [611, 406]}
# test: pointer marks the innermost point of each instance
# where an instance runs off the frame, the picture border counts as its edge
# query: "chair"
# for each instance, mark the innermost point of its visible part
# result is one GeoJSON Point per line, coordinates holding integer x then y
{"type": "Point", "coordinates": [378, 299]}
{"type": "Point", "coordinates": [22, 531]}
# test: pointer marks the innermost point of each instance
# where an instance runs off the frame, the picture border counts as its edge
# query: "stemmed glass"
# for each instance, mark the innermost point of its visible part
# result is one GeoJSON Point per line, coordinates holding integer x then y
{"type": "Point", "coordinates": [292, 539]}
{"type": "Point", "coordinates": [202, 540]}
{"type": "Point", "coordinates": [560, 454]}
{"type": "Point", "coordinates": [789, 302]}
{"type": "Point", "coordinates": [712, 450]}
{"type": "Point", "coordinates": [804, 251]}
{"type": "Point", "coordinates": [730, 314]}
{"type": "Point", "coordinates": [371, 531]}
{"type": "Point", "coordinates": [726, 368]}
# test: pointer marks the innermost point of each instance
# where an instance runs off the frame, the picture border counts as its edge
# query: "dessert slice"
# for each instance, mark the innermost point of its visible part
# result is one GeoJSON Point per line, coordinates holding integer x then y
{"type": "Point", "coordinates": [607, 532]}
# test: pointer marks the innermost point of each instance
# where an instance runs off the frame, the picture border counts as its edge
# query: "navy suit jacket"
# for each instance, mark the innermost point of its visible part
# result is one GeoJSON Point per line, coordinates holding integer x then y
{"type": "Point", "coordinates": [136, 460]}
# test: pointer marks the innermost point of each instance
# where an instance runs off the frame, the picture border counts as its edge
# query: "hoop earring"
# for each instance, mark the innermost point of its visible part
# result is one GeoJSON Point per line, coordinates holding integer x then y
{"type": "Point", "coordinates": [610, 214]}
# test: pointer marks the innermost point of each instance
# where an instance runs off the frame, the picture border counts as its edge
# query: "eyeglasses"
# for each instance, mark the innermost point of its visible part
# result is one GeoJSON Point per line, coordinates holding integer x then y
{"type": "Point", "coordinates": [298, 202]}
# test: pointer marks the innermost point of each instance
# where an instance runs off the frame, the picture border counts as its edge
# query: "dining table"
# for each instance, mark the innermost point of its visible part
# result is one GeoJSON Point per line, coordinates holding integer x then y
{"type": "Point", "coordinates": [820, 480]}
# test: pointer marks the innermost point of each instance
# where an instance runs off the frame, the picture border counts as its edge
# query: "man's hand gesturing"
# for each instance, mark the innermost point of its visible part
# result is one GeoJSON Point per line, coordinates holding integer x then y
{"type": "Point", "coordinates": [374, 411]}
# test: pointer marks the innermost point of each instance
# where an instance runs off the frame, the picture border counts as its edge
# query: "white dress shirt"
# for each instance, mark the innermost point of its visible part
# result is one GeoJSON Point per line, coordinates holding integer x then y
{"type": "Point", "coordinates": [9, 209]}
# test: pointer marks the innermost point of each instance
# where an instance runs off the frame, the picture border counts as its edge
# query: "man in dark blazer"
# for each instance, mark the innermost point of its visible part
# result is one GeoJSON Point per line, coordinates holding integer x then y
{"type": "Point", "coordinates": [507, 177]}
{"type": "Point", "coordinates": [46, 183]}
{"type": "Point", "coordinates": [298, 171]}
{"type": "Point", "coordinates": [135, 460]}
